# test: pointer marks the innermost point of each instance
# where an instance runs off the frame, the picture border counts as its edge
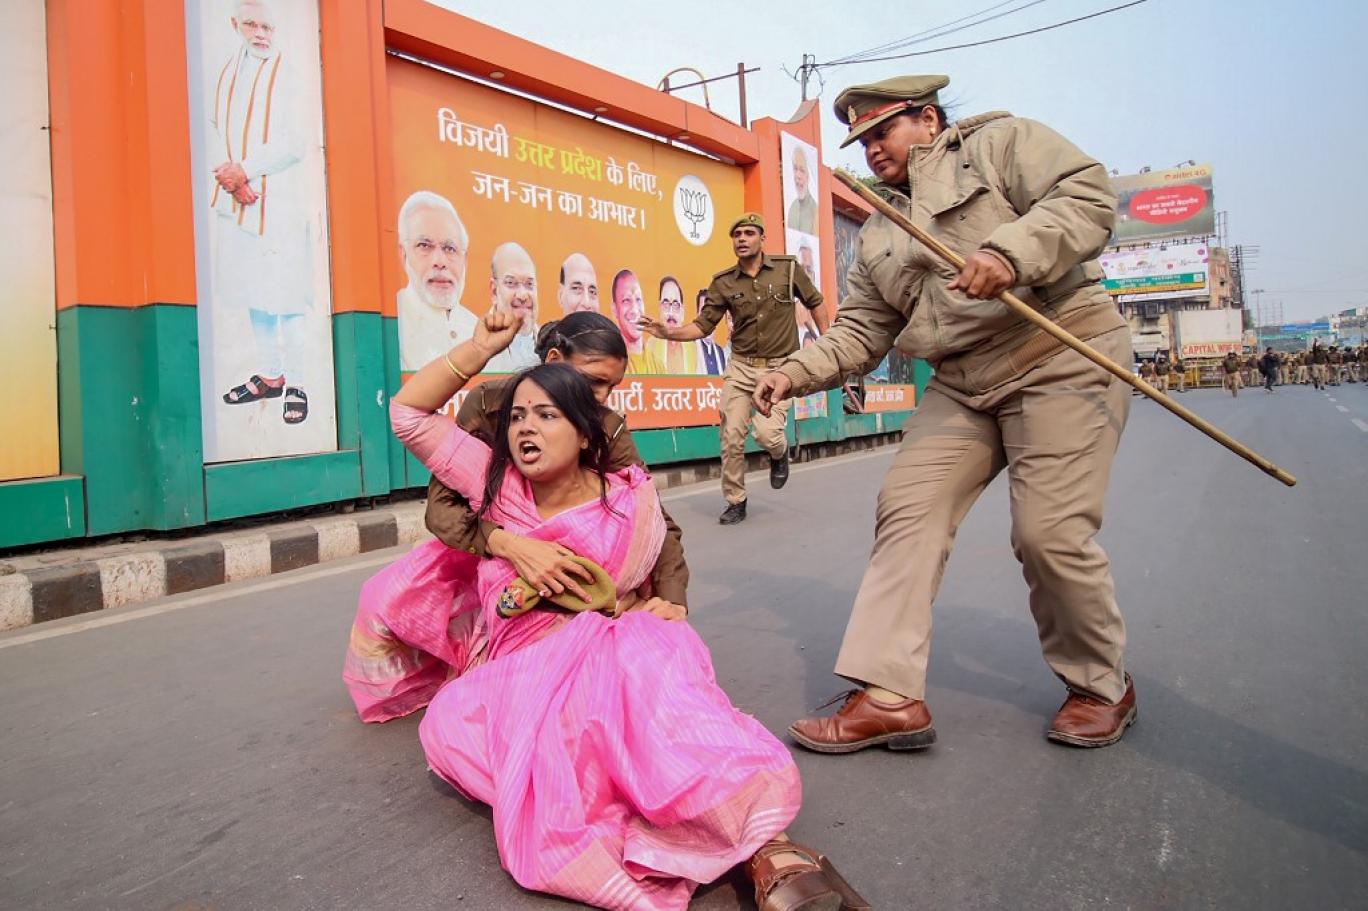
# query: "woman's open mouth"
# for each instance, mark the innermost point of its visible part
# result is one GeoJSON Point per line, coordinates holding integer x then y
{"type": "Point", "coordinates": [528, 452]}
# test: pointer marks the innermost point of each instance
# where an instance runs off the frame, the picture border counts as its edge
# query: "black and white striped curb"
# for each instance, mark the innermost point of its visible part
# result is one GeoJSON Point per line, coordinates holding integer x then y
{"type": "Point", "coordinates": [136, 573]}
{"type": "Point", "coordinates": [39, 594]}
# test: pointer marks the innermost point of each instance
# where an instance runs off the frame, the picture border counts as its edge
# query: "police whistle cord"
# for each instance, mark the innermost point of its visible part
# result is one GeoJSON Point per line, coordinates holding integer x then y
{"type": "Point", "coordinates": [1064, 336]}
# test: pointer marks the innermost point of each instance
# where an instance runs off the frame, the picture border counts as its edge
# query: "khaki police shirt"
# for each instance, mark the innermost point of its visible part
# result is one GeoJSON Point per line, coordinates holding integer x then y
{"type": "Point", "coordinates": [763, 320]}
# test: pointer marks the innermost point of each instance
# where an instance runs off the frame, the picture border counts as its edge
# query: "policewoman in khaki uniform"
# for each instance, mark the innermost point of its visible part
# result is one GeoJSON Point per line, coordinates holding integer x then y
{"type": "Point", "coordinates": [1031, 213]}
{"type": "Point", "coordinates": [759, 293]}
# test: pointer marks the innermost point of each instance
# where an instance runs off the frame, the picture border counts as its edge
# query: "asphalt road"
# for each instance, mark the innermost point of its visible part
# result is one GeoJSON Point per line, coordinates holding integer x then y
{"type": "Point", "coordinates": [201, 752]}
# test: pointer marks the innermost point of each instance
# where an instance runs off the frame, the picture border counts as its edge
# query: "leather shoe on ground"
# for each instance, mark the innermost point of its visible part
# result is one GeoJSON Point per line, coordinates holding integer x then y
{"type": "Point", "coordinates": [861, 722]}
{"type": "Point", "coordinates": [733, 514]}
{"type": "Point", "coordinates": [779, 470]}
{"type": "Point", "coordinates": [1083, 721]}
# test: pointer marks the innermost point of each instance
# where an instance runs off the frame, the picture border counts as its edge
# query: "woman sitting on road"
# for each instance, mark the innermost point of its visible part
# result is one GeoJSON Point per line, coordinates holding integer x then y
{"type": "Point", "coordinates": [619, 773]}
{"type": "Point", "coordinates": [418, 623]}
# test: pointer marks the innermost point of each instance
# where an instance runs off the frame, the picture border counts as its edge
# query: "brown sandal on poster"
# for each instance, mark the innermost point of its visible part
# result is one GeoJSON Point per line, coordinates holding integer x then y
{"type": "Point", "coordinates": [296, 405]}
{"type": "Point", "coordinates": [810, 883]}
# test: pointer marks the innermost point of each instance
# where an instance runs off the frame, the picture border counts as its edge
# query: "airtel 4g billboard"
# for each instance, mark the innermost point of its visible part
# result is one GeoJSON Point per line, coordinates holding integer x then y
{"type": "Point", "coordinates": [1173, 203]}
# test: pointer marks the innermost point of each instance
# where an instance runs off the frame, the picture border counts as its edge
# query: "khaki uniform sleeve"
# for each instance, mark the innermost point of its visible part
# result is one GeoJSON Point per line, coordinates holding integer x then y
{"type": "Point", "coordinates": [449, 515]}
{"type": "Point", "coordinates": [714, 308]}
{"type": "Point", "coordinates": [1066, 198]}
{"type": "Point", "coordinates": [862, 334]}
{"type": "Point", "coordinates": [670, 577]}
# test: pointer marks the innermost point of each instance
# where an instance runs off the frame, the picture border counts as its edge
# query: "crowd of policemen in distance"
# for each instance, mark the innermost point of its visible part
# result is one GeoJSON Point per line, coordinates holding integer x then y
{"type": "Point", "coordinates": [1318, 366]}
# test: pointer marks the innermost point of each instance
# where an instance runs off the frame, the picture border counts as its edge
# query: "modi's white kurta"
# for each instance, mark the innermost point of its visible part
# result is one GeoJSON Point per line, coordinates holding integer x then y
{"type": "Point", "coordinates": [427, 332]}
{"type": "Point", "coordinates": [261, 253]}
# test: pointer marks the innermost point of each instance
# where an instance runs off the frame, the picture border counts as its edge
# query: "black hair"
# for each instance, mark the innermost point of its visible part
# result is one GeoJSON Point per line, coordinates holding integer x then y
{"type": "Point", "coordinates": [913, 111]}
{"type": "Point", "coordinates": [582, 332]}
{"type": "Point", "coordinates": [670, 280]}
{"type": "Point", "coordinates": [571, 393]}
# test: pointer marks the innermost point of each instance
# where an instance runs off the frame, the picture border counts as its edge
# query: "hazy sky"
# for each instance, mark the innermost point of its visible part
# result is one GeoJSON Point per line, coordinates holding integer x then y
{"type": "Point", "coordinates": [1274, 94]}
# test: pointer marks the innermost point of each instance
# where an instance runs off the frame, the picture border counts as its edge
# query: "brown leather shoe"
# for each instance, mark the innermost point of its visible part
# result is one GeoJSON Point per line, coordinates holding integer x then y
{"type": "Point", "coordinates": [861, 722]}
{"type": "Point", "coordinates": [1083, 721]}
{"type": "Point", "coordinates": [797, 885]}
{"type": "Point", "coordinates": [812, 883]}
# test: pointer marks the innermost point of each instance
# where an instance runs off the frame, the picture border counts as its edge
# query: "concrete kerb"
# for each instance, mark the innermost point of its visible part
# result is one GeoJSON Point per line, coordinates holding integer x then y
{"type": "Point", "coordinates": [50, 586]}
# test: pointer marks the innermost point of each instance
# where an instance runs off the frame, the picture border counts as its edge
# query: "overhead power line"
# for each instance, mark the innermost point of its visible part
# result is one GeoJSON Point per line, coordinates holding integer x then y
{"type": "Point", "coordinates": [939, 31]}
{"type": "Point", "coordinates": [956, 47]}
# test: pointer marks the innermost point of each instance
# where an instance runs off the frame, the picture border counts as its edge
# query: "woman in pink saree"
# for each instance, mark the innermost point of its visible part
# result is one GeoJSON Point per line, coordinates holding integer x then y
{"type": "Point", "coordinates": [418, 622]}
{"type": "Point", "coordinates": [619, 773]}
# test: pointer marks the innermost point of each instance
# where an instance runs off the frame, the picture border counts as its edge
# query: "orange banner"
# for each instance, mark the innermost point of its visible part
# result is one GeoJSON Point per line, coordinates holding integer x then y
{"type": "Point", "coordinates": [501, 199]}
{"type": "Point", "coordinates": [889, 397]}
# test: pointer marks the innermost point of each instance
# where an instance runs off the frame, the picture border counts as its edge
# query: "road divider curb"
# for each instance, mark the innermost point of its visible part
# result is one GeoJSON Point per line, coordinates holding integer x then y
{"type": "Point", "coordinates": [42, 587]}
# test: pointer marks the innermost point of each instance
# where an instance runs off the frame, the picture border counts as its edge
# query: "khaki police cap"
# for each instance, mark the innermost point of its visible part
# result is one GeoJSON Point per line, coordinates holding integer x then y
{"type": "Point", "coordinates": [860, 107]}
{"type": "Point", "coordinates": [750, 218]}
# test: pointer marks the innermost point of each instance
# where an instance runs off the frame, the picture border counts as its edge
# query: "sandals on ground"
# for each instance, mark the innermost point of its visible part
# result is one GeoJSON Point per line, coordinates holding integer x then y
{"type": "Point", "coordinates": [254, 390]}
{"type": "Point", "coordinates": [812, 884]}
{"type": "Point", "coordinates": [296, 405]}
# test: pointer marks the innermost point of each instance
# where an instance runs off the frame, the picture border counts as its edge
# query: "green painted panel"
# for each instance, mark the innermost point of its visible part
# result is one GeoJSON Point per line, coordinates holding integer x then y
{"type": "Point", "coordinates": [235, 489]}
{"type": "Point", "coordinates": [45, 509]}
{"type": "Point", "coordinates": [682, 444]}
{"type": "Point", "coordinates": [921, 375]}
{"type": "Point", "coordinates": [129, 417]}
{"type": "Point", "coordinates": [362, 414]}
{"type": "Point", "coordinates": [400, 462]}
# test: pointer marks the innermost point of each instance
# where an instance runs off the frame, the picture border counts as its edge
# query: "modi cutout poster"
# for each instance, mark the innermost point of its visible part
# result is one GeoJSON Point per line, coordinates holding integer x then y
{"type": "Point", "coordinates": [505, 202]}
{"type": "Point", "coordinates": [799, 163]}
{"type": "Point", "coordinates": [261, 231]}
{"type": "Point", "coordinates": [28, 340]}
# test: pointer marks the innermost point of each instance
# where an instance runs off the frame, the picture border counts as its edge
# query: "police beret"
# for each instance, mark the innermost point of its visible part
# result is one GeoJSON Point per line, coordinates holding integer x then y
{"type": "Point", "coordinates": [860, 107]}
{"type": "Point", "coordinates": [750, 218]}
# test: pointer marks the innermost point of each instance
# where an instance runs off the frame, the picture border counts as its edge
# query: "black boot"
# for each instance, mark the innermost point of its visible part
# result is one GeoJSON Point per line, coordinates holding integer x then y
{"type": "Point", "coordinates": [733, 514]}
{"type": "Point", "coordinates": [779, 470]}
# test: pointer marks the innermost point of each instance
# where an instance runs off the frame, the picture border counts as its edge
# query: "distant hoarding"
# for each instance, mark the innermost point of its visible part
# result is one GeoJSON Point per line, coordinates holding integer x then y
{"type": "Point", "coordinates": [1156, 272]}
{"type": "Point", "coordinates": [1173, 203]}
{"type": "Point", "coordinates": [1210, 333]}
{"type": "Point", "coordinates": [1293, 336]}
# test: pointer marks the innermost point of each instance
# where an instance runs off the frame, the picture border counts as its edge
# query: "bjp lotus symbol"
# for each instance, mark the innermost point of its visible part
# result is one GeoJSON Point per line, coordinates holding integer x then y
{"type": "Point", "coordinates": [693, 209]}
{"type": "Point", "coordinates": [695, 206]}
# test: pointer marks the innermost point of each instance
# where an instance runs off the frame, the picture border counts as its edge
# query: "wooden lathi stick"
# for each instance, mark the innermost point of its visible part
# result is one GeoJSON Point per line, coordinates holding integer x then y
{"type": "Point", "coordinates": [1067, 338]}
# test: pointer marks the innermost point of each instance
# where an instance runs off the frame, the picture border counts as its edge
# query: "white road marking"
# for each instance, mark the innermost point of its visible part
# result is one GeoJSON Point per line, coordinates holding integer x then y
{"type": "Point", "coordinates": [1360, 424]}
{"type": "Point", "coordinates": [1333, 400]}
{"type": "Point", "coordinates": [1341, 408]}
{"type": "Point", "coordinates": [109, 617]}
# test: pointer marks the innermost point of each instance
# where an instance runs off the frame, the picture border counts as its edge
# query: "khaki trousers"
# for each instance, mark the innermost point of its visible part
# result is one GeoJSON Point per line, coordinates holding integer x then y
{"type": "Point", "coordinates": [740, 417]}
{"type": "Point", "coordinates": [1055, 430]}
{"type": "Point", "coordinates": [1318, 373]}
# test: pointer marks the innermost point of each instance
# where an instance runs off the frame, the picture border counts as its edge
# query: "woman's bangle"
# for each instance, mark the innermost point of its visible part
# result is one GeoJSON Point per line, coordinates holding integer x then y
{"type": "Point", "coordinates": [459, 375]}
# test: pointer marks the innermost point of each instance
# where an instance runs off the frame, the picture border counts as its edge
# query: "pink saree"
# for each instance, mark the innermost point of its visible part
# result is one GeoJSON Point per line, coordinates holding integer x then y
{"type": "Point", "coordinates": [619, 773]}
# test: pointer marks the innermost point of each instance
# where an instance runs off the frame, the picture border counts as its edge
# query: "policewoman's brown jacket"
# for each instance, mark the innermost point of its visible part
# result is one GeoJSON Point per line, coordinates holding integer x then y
{"type": "Point", "coordinates": [1006, 183]}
